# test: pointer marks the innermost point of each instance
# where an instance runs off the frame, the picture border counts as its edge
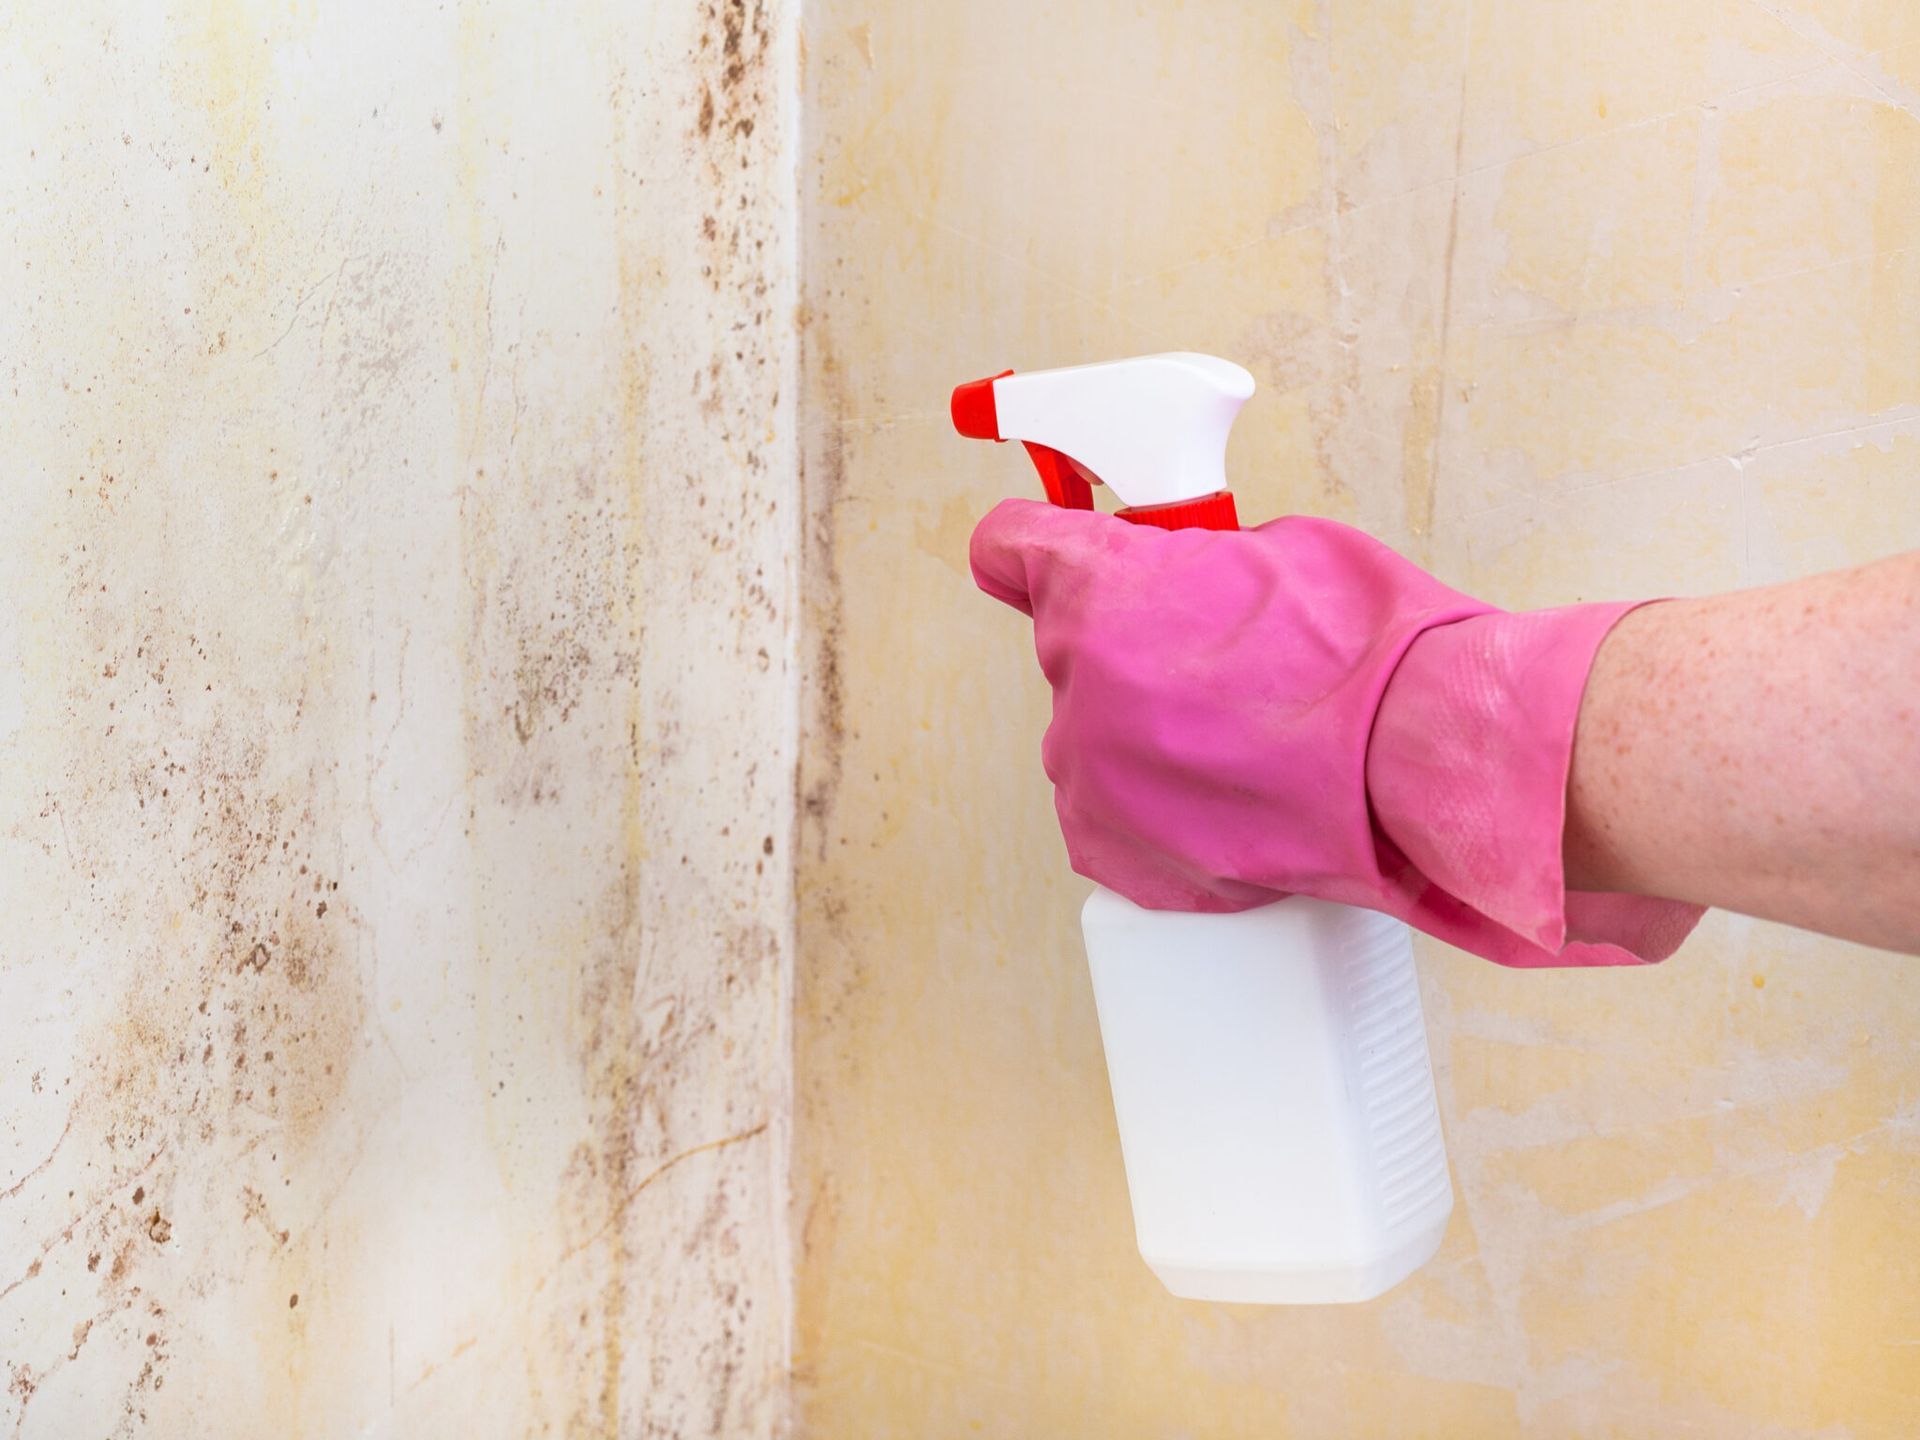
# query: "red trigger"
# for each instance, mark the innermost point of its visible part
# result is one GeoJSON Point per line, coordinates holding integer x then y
{"type": "Point", "coordinates": [1066, 486]}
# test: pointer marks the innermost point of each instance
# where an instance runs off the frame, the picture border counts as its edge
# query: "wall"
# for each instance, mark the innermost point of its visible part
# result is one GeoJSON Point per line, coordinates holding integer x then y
{"type": "Point", "coordinates": [394, 709]}
{"type": "Point", "coordinates": [1569, 301]}
{"type": "Point", "coordinates": [396, 676]}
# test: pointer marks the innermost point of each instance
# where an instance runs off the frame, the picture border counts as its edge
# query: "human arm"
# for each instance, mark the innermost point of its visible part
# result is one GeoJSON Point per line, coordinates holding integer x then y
{"type": "Point", "coordinates": [1297, 709]}
{"type": "Point", "coordinates": [1760, 751]}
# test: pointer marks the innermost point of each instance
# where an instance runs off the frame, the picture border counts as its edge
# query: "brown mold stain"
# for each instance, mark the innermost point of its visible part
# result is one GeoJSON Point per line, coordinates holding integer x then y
{"type": "Point", "coordinates": [548, 648]}
{"type": "Point", "coordinates": [653, 1069]}
{"type": "Point", "coordinates": [731, 60]}
{"type": "Point", "coordinates": [820, 991]}
{"type": "Point", "coordinates": [193, 827]}
{"type": "Point", "coordinates": [253, 1020]}
{"type": "Point", "coordinates": [823, 987]}
{"type": "Point", "coordinates": [204, 821]}
{"type": "Point", "coordinates": [823, 478]}
{"type": "Point", "coordinates": [580, 555]}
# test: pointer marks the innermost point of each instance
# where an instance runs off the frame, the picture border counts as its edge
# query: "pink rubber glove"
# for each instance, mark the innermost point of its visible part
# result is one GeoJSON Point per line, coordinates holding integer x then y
{"type": "Point", "coordinates": [1296, 709]}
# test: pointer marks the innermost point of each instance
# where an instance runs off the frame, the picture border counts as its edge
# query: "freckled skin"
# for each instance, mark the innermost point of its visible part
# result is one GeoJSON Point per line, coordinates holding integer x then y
{"type": "Point", "coordinates": [1760, 751]}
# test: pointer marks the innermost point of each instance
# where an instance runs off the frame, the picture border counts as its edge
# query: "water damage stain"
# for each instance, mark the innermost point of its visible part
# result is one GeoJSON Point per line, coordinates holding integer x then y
{"type": "Point", "coordinates": [194, 811]}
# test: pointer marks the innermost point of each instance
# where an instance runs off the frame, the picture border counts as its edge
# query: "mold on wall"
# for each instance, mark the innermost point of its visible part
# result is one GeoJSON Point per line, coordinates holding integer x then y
{"type": "Point", "coordinates": [396, 734]}
{"type": "Point", "coordinates": [1567, 301]}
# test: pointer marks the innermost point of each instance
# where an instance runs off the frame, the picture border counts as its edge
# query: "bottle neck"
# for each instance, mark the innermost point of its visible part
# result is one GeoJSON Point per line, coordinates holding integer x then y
{"type": "Point", "coordinates": [1203, 512]}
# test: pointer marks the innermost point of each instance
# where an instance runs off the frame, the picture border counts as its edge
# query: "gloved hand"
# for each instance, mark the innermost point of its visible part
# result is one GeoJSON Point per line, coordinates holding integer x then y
{"type": "Point", "coordinates": [1238, 716]}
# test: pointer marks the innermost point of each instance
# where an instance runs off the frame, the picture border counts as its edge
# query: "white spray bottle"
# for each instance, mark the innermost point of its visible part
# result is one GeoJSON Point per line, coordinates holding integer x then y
{"type": "Point", "coordinates": [1269, 1068]}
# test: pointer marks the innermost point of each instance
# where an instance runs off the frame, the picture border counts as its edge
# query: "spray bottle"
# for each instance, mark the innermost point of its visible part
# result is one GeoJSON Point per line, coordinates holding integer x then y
{"type": "Point", "coordinates": [1269, 1068]}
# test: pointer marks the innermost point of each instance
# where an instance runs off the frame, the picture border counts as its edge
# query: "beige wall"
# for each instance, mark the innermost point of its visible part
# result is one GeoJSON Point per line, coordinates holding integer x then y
{"type": "Point", "coordinates": [400, 517]}
{"type": "Point", "coordinates": [1570, 300]}
{"type": "Point", "coordinates": [396, 543]}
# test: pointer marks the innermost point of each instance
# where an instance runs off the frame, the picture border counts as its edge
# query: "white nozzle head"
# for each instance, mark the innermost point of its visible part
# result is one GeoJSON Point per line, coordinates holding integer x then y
{"type": "Point", "coordinates": [1153, 429]}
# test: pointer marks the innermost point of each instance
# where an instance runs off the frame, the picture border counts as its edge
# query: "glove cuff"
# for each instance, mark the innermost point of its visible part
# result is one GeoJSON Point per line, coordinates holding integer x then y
{"type": "Point", "coordinates": [1467, 776]}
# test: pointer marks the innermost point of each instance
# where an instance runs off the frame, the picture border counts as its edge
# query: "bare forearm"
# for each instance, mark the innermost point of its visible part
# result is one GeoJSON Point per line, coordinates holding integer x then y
{"type": "Point", "coordinates": [1760, 752]}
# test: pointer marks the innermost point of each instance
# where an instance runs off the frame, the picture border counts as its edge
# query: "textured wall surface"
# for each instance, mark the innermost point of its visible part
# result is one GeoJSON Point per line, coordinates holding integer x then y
{"type": "Point", "coordinates": [396, 543]}
{"type": "Point", "coordinates": [1570, 300]}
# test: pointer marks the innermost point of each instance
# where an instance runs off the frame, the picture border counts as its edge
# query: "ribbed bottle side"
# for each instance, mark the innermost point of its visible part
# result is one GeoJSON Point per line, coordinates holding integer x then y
{"type": "Point", "coordinates": [1397, 1097]}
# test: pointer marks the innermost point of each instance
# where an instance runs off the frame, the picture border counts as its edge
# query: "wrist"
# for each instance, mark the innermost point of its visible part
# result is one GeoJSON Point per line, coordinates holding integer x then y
{"type": "Point", "coordinates": [1468, 761]}
{"type": "Point", "coordinates": [1602, 794]}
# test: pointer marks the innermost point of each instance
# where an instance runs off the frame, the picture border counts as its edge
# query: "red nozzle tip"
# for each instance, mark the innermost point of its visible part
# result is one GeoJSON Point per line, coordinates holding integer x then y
{"type": "Point", "coordinates": [973, 412]}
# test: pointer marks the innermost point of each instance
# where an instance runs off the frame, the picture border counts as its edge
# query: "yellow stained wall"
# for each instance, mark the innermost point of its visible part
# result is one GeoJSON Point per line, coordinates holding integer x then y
{"type": "Point", "coordinates": [1569, 301]}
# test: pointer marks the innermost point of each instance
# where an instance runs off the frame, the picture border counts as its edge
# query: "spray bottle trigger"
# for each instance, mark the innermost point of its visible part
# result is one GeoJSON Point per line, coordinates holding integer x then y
{"type": "Point", "coordinates": [1066, 483]}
